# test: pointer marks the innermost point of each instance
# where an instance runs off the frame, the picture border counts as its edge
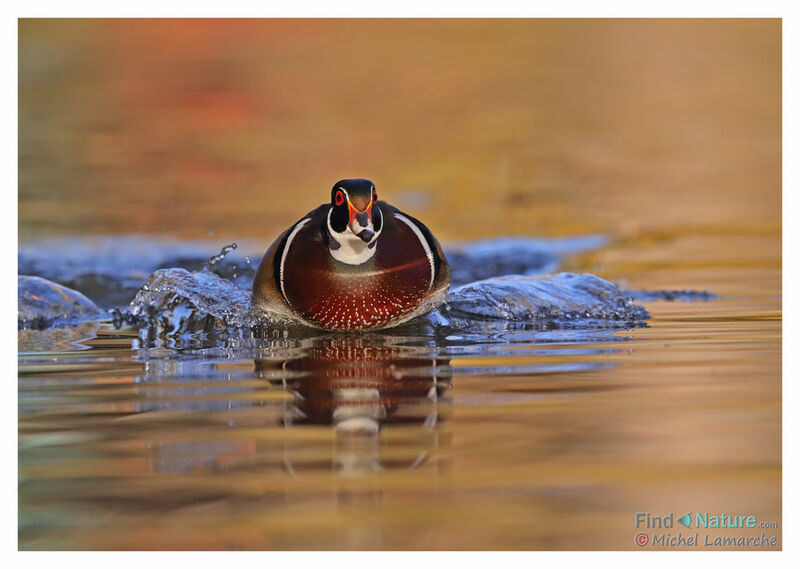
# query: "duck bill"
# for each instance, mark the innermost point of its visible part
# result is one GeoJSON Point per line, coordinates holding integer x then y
{"type": "Point", "coordinates": [361, 222]}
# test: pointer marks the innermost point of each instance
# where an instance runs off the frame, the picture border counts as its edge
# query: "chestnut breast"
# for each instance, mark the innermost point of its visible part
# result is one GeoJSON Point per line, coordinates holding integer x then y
{"type": "Point", "coordinates": [337, 296]}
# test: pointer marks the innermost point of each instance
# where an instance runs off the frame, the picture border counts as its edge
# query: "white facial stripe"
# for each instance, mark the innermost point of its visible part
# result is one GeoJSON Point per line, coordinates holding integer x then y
{"type": "Point", "coordinates": [294, 231]}
{"type": "Point", "coordinates": [422, 240]}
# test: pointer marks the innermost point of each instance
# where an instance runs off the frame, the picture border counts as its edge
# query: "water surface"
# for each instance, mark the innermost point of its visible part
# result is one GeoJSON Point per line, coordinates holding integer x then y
{"type": "Point", "coordinates": [407, 438]}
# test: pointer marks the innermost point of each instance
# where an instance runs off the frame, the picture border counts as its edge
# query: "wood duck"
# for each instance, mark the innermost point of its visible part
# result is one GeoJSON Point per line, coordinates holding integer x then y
{"type": "Point", "coordinates": [356, 263]}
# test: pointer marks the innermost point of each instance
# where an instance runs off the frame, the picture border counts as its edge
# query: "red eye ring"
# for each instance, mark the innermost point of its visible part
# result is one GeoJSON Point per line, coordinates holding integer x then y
{"type": "Point", "coordinates": [374, 197]}
{"type": "Point", "coordinates": [339, 198]}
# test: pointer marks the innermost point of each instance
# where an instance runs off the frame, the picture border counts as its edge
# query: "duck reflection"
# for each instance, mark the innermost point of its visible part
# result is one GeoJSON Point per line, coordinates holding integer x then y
{"type": "Point", "coordinates": [360, 385]}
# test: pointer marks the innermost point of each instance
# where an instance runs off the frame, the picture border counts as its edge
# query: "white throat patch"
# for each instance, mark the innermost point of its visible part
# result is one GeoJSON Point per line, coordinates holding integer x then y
{"type": "Point", "coordinates": [352, 249]}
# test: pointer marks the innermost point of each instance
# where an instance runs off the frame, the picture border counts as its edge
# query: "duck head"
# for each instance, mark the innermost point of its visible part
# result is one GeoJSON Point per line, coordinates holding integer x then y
{"type": "Point", "coordinates": [354, 221]}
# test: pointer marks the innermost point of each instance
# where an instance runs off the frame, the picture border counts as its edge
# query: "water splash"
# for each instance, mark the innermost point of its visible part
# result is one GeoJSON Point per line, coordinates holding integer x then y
{"type": "Point", "coordinates": [176, 302]}
{"type": "Point", "coordinates": [186, 301]}
{"type": "Point", "coordinates": [564, 297]}
{"type": "Point", "coordinates": [222, 254]}
{"type": "Point", "coordinates": [42, 303]}
{"type": "Point", "coordinates": [201, 296]}
{"type": "Point", "coordinates": [111, 269]}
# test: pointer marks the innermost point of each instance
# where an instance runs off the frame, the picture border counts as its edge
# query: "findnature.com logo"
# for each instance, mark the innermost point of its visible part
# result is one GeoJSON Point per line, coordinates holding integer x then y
{"type": "Point", "coordinates": [702, 520]}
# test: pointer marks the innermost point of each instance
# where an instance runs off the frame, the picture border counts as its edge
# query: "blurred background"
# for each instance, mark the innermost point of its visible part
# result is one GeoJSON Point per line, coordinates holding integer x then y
{"type": "Point", "coordinates": [236, 128]}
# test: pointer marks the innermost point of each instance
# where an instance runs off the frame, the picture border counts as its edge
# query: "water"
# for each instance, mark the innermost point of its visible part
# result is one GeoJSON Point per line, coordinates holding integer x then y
{"type": "Point", "coordinates": [540, 411]}
{"type": "Point", "coordinates": [401, 439]}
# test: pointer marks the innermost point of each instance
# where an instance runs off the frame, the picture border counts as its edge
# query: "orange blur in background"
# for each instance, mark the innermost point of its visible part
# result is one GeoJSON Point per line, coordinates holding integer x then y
{"type": "Point", "coordinates": [479, 127]}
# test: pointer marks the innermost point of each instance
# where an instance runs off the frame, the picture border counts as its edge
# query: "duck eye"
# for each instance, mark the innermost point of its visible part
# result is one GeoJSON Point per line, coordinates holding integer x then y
{"type": "Point", "coordinates": [374, 197]}
{"type": "Point", "coordinates": [339, 198]}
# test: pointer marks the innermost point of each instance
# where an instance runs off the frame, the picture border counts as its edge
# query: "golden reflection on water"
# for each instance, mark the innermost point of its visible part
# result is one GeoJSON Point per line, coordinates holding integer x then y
{"type": "Point", "coordinates": [353, 442]}
{"type": "Point", "coordinates": [663, 135]}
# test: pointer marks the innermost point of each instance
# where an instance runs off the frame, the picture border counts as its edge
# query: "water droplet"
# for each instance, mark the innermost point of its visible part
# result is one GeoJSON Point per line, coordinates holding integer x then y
{"type": "Point", "coordinates": [225, 250]}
